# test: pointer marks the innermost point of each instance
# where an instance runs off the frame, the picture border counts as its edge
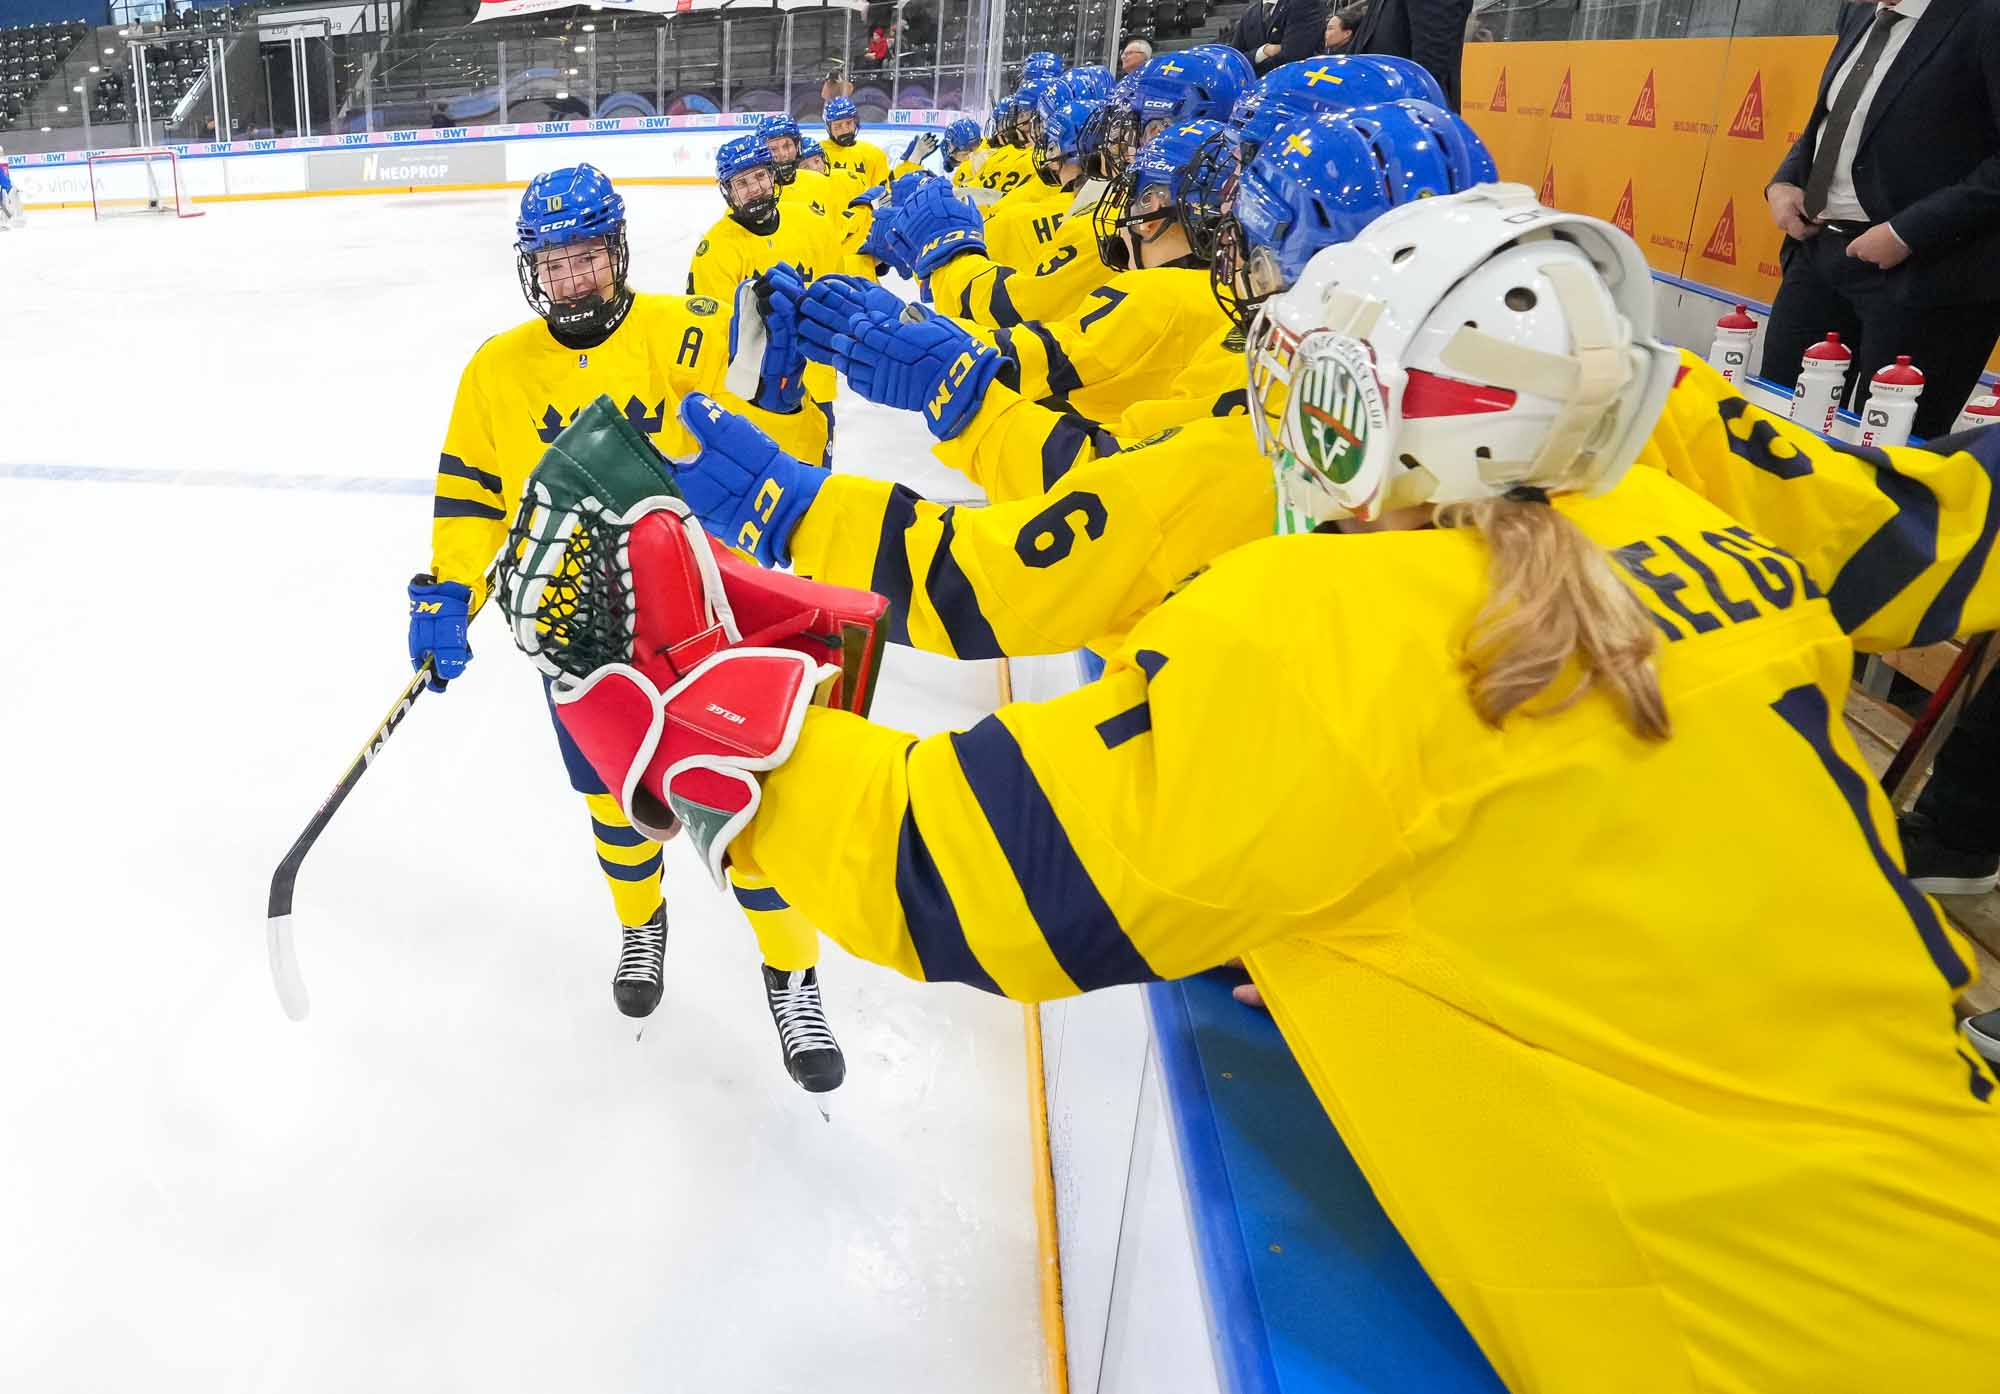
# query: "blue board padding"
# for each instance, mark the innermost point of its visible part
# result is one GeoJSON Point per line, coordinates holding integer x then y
{"type": "Point", "coordinates": [1308, 1286]}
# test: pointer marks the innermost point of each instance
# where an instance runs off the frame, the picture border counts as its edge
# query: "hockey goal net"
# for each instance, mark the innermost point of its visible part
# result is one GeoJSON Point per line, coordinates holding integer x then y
{"type": "Point", "coordinates": [139, 181]}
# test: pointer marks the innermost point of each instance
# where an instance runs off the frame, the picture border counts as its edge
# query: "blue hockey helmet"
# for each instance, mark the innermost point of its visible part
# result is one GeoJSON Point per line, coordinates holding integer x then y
{"type": "Point", "coordinates": [1335, 83]}
{"type": "Point", "coordinates": [1001, 124]}
{"type": "Point", "coordinates": [1062, 119]}
{"type": "Point", "coordinates": [1423, 84]}
{"type": "Point", "coordinates": [961, 138]}
{"type": "Point", "coordinates": [780, 127]}
{"type": "Point", "coordinates": [1113, 132]}
{"type": "Point", "coordinates": [1324, 177]}
{"type": "Point", "coordinates": [573, 207]}
{"type": "Point", "coordinates": [842, 109]}
{"type": "Point", "coordinates": [1041, 64]}
{"type": "Point", "coordinates": [1027, 112]}
{"type": "Point", "coordinates": [1195, 84]}
{"type": "Point", "coordinates": [1157, 189]}
{"type": "Point", "coordinates": [810, 149]}
{"type": "Point", "coordinates": [750, 201]}
{"type": "Point", "coordinates": [1091, 80]}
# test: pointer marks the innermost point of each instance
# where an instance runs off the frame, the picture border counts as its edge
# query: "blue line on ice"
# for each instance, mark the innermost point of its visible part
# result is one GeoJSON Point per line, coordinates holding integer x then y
{"type": "Point", "coordinates": [228, 479]}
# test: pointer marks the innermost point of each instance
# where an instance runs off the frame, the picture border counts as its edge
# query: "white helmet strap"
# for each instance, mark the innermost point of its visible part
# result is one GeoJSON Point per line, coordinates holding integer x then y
{"type": "Point", "coordinates": [1589, 383]}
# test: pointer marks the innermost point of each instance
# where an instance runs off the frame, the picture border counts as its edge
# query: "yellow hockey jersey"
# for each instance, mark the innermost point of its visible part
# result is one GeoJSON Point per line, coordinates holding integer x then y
{"type": "Point", "coordinates": [1050, 285]}
{"type": "Point", "coordinates": [1003, 169]}
{"type": "Point", "coordinates": [1901, 540]}
{"type": "Point", "coordinates": [863, 164]}
{"type": "Point", "coordinates": [1647, 1048]}
{"type": "Point", "coordinates": [522, 387]}
{"type": "Point", "coordinates": [1024, 227]}
{"type": "Point", "coordinates": [1075, 565]}
{"type": "Point", "coordinates": [1128, 336]}
{"type": "Point", "coordinates": [730, 254]}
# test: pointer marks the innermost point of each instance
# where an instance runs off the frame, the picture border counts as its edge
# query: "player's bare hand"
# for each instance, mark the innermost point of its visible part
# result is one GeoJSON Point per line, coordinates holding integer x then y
{"type": "Point", "coordinates": [1249, 994]}
{"type": "Point", "coordinates": [1879, 246]}
{"type": "Point", "coordinates": [1788, 211]}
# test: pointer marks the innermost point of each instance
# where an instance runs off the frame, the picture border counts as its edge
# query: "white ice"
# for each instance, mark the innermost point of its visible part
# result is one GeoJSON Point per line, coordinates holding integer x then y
{"type": "Point", "coordinates": [462, 1173]}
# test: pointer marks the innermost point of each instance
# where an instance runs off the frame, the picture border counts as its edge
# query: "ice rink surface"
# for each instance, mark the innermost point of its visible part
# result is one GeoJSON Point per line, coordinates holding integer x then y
{"type": "Point", "coordinates": [463, 1172]}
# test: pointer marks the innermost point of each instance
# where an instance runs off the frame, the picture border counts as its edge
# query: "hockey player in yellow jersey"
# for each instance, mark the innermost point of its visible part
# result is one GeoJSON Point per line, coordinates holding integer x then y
{"type": "Point", "coordinates": [757, 233]}
{"type": "Point", "coordinates": [593, 335]}
{"type": "Point", "coordinates": [1459, 771]}
{"type": "Point", "coordinates": [1176, 481]}
{"type": "Point", "coordinates": [864, 163]}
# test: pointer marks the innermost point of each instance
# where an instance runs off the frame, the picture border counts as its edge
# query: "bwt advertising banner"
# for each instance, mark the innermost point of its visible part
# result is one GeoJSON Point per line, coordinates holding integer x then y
{"type": "Point", "coordinates": [413, 167]}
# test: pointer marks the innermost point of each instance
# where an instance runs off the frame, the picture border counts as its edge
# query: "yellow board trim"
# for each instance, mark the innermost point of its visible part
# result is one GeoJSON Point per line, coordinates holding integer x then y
{"type": "Point", "coordinates": [659, 182]}
{"type": "Point", "coordinates": [1055, 1340]}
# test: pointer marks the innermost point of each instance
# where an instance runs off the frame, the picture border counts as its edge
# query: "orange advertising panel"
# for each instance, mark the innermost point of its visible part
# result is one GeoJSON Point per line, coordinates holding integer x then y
{"type": "Point", "coordinates": [1768, 87]}
{"type": "Point", "coordinates": [1629, 133]}
{"type": "Point", "coordinates": [1506, 90]}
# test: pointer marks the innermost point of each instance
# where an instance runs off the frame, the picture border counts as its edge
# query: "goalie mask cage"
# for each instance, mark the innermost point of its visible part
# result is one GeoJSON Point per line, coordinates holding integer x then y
{"type": "Point", "coordinates": [139, 181]}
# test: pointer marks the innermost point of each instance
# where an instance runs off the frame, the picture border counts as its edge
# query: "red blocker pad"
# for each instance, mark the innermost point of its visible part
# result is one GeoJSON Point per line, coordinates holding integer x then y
{"type": "Point", "coordinates": [726, 657]}
{"type": "Point", "coordinates": [689, 756]}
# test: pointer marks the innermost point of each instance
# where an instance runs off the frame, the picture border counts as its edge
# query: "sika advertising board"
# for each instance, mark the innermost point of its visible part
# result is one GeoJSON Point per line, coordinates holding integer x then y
{"type": "Point", "coordinates": [1768, 87]}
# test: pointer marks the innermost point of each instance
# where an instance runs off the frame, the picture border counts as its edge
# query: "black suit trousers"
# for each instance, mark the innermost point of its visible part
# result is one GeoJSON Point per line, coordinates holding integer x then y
{"type": "Point", "coordinates": [1825, 289]}
{"type": "Point", "coordinates": [1963, 796]}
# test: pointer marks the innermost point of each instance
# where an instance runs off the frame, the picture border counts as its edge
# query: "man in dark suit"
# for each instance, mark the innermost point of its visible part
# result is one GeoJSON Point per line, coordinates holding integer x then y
{"type": "Point", "coordinates": [1890, 202]}
{"type": "Point", "coordinates": [1272, 33]}
{"type": "Point", "coordinates": [1430, 31]}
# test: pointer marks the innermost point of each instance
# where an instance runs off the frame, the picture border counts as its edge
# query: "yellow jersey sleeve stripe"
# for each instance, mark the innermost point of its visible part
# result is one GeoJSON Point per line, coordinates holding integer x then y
{"type": "Point", "coordinates": [936, 932]}
{"type": "Point", "coordinates": [466, 508]}
{"type": "Point", "coordinates": [1000, 926]}
{"type": "Point", "coordinates": [1066, 441]}
{"type": "Point", "coordinates": [1072, 914]}
{"type": "Point", "coordinates": [456, 468]}
{"type": "Point", "coordinates": [954, 601]}
{"type": "Point", "coordinates": [891, 578]}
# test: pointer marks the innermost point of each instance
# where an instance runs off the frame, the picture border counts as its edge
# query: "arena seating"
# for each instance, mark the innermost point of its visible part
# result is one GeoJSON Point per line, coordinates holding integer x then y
{"type": "Point", "coordinates": [29, 56]}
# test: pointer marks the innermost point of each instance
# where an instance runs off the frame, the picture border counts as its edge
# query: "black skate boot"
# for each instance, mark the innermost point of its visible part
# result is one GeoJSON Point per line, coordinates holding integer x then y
{"type": "Point", "coordinates": [812, 1055]}
{"type": "Point", "coordinates": [635, 987]}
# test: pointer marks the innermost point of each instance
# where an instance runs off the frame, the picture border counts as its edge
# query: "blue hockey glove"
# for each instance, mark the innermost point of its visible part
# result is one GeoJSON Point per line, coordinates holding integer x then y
{"type": "Point", "coordinates": [831, 307]}
{"type": "Point", "coordinates": [439, 613]}
{"type": "Point", "coordinates": [745, 490]}
{"type": "Point", "coordinates": [934, 226]}
{"type": "Point", "coordinates": [773, 300]}
{"type": "Point", "coordinates": [919, 362]}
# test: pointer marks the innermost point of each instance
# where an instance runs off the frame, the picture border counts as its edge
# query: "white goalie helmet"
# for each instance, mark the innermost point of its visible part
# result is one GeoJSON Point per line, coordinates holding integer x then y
{"type": "Point", "coordinates": [1460, 348]}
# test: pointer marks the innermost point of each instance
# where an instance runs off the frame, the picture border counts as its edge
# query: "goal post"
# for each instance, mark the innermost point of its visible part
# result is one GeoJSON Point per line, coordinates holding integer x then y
{"type": "Point", "coordinates": [139, 181]}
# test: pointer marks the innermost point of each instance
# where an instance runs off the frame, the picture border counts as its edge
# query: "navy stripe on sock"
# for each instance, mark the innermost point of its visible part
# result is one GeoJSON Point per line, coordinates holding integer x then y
{"type": "Point", "coordinates": [649, 867]}
{"type": "Point", "coordinates": [466, 508]}
{"type": "Point", "coordinates": [765, 898]}
{"type": "Point", "coordinates": [616, 837]}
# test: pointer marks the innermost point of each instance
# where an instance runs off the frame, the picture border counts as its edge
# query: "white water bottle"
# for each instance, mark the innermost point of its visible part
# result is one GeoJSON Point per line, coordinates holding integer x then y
{"type": "Point", "coordinates": [1892, 403]}
{"type": "Point", "coordinates": [1729, 355]}
{"type": "Point", "coordinates": [1982, 410]}
{"type": "Point", "coordinates": [1822, 376]}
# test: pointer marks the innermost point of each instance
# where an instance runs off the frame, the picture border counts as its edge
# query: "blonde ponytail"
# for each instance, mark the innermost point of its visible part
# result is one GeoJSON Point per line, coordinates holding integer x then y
{"type": "Point", "coordinates": [1554, 596]}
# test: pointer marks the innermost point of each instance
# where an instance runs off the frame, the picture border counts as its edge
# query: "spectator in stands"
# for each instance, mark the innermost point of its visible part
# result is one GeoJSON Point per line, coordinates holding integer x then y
{"type": "Point", "coordinates": [1136, 55]}
{"type": "Point", "coordinates": [1888, 200]}
{"type": "Point", "coordinates": [1430, 32]}
{"type": "Point", "coordinates": [1340, 27]}
{"type": "Point", "coordinates": [878, 47]}
{"type": "Point", "coordinates": [1272, 33]}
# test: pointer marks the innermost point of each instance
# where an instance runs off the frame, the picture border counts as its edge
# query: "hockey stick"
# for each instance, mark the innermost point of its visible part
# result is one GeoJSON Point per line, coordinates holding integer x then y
{"type": "Point", "coordinates": [285, 976]}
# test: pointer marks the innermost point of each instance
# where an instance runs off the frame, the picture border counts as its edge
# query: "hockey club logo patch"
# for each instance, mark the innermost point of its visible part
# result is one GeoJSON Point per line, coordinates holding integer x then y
{"type": "Point", "coordinates": [1335, 408]}
{"type": "Point", "coordinates": [701, 305]}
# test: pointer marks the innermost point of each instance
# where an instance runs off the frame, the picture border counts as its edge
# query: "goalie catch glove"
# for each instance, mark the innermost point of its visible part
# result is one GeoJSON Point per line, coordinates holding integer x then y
{"type": "Point", "coordinates": [764, 339]}
{"type": "Point", "coordinates": [919, 361]}
{"type": "Point", "coordinates": [681, 671]}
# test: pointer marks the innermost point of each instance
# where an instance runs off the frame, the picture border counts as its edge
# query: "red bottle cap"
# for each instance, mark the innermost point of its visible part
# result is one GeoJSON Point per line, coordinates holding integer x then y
{"type": "Point", "coordinates": [1900, 373]}
{"type": "Point", "coordinates": [1829, 350]}
{"type": "Point", "coordinates": [1738, 318]}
